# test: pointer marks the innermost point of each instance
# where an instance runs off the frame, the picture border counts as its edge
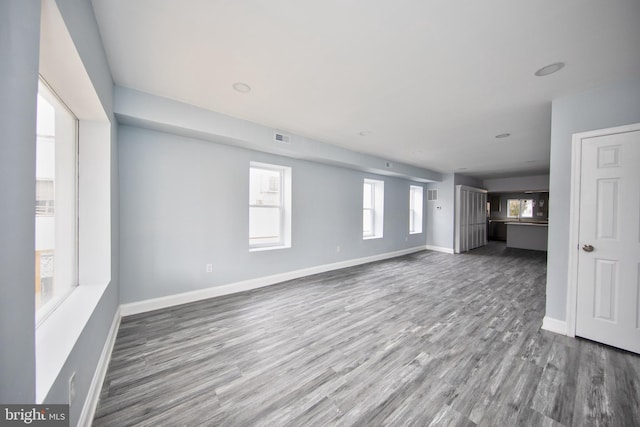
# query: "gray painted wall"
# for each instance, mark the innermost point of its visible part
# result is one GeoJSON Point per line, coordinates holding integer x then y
{"type": "Point", "coordinates": [467, 180]}
{"type": "Point", "coordinates": [19, 42]}
{"type": "Point", "coordinates": [166, 115]}
{"type": "Point", "coordinates": [516, 184]}
{"type": "Point", "coordinates": [602, 108]}
{"type": "Point", "coordinates": [19, 47]}
{"type": "Point", "coordinates": [83, 28]}
{"type": "Point", "coordinates": [184, 203]}
{"type": "Point", "coordinates": [441, 213]}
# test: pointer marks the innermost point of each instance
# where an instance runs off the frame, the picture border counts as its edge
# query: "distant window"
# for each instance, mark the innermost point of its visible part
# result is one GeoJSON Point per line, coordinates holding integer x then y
{"type": "Point", "coordinates": [520, 208]}
{"type": "Point", "coordinates": [415, 209]}
{"type": "Point", "coordinates": [269, 206]}
{"type": "Point", "coordinates": [45, 196]}
{"type": "Point", "coordinates": [372, 209]}
{"type": "Point", "coordinates": [526, 208]}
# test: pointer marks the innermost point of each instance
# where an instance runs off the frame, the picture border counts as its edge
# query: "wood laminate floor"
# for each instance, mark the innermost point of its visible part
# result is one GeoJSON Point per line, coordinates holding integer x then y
{"type": "Point", "coordinates": [425, 339]}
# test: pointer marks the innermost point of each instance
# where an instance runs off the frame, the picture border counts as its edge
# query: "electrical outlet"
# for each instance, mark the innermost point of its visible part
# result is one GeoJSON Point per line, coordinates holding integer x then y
{"type": "Point", "coordinates": [338, 248]}
{"type": "Point", "coordinates": [72, 388]}
{"type": "Point", "coordinates": [406, 239]}
{"type": "Point", "coordinates": [209, 268]}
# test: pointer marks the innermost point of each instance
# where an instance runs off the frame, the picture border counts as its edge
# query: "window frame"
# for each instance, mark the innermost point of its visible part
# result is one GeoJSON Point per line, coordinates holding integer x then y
{"type": "Point", "coordinates": [369, 187]}
{"type": "Point", "coordinates": [416, 194]}
{"type": "Point", "coordinates": [44, 310]}
{"type": "Point", "coordinates": [520, 204]}
{"type": "Point", "coordinates": [283, 206]}
{"type": "Point", "coordinates": [377, 203]}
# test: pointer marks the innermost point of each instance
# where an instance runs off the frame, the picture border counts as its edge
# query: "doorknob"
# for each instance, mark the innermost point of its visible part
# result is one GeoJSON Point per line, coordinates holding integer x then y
{"type": "Point", "coordinates": [587, 248]}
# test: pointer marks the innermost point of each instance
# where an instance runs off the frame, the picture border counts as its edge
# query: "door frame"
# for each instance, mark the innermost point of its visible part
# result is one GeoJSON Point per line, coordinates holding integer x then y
{"type": "Point", "coordinates": [574, 215]}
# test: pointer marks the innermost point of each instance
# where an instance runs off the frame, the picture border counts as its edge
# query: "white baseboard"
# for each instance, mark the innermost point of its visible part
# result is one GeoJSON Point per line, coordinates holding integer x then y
{"type": "Point", "coordinates": [440, 249]}
{"type": "Point", "coordinates": [91, 402]}
{"type": "Point", "coordinates": [246, 285]}
{"type": "Point", "coordinates": [554, 325]}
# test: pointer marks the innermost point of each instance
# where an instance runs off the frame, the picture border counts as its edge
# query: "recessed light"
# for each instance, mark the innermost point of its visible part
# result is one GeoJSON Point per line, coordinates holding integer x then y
{"type": "Point", "coordinates": [242, 87]}
{"type": "Point", "coordinates": [503, 135]}
{"type": "Point", "coordinates": [365, 133]}
{"type": "Point", "coordinates": [549, 69]}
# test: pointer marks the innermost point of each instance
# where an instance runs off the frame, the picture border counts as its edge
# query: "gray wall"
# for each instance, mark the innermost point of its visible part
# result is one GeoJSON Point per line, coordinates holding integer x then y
{"type": "Point", "coordinates": [467, 180]}
{"type": "Point", "coordinates": [441, 213]}
{"type": "Point", "coordinates": [606, 107]}
{"type": "Point", "coordinates": [19, 45]}
{"type": "Point", "coordinates": [184, 203]}
{"type": "Point", "coordinates": [166, 115]}
{"type": "Point", "coordinates": [83, 28]}
{"type": "Point", "coordinates": [517, 183]}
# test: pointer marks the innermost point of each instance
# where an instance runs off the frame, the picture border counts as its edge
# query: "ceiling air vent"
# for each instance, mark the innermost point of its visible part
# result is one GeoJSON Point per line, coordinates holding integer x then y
{"type": "Point", "coordinates": [432, 195]}
{"type": "Point", "coordinates": [282, 138]}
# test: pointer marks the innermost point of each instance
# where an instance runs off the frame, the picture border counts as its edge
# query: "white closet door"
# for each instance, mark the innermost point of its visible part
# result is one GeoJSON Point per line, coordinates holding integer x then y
{"type": "Point", "coordinates": [470, 222]}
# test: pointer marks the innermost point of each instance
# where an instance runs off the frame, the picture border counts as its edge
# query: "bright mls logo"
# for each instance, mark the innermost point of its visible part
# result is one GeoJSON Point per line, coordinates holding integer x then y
{"type": "Point", "coordinates": [34, 415]}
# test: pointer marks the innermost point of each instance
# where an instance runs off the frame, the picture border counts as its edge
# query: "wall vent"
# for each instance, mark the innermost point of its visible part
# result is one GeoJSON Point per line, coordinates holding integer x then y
{"type": "Point", "coordinates": [432, 195]}
{"type": "Point", "coordinates": [282, 138]}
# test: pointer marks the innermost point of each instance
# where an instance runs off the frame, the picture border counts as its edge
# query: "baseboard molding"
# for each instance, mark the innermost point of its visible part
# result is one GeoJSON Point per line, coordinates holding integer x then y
{"type": "Point", "coordinates": [554, 325]}
{"type": "Point", "coordinates": [247, 285]}
{"type": "Point", "coordinates": [91, 402]}
{"type": "Point", "coordinates": [440, 249]}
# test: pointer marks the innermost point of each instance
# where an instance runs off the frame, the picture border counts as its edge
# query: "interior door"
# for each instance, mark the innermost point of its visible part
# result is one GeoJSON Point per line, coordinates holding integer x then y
{"type": "Point", "coordinates": [608, 287]}
{"type": "Point", "coordinates": [470, 218]}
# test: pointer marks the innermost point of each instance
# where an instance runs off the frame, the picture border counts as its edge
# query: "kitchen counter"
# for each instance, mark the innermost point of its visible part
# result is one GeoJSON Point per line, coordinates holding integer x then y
{"type": "Point", "coordinates": [515, 221]}
{"type": "Point", "coordinates": [527, 235]}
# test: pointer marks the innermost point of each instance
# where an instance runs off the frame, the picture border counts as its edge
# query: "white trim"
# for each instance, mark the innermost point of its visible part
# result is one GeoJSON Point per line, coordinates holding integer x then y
{"type": "Point", "coordinates": [440, 249]}
{"type": "Point", "coordinates": [58, 334]}
{"type": "Point", "coordinates": [93, 395]}
{"type": "Point", "coordinates": [554, 325]}
{"type": "Point", "coordinates": [246, 285]}
{"type": "Point", "coordinates": [574, 216]}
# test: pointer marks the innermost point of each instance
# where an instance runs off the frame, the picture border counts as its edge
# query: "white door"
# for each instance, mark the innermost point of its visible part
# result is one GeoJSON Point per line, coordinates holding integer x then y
{"type": "Point", "coordinates": [608, 286]}
{"type": "Point", "coordinates": [470, 218]}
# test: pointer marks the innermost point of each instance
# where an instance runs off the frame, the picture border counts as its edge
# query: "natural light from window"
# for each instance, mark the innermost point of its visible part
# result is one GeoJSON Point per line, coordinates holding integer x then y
{"type": "Point", "coordinates": [269, 206]}
{"type": "Point", "coordinates": [520, 208]}
{"type": "Point", "coordinates": [56, 224]}
{"type": "Point", "coordinates": [415, 209]}
{"type": "Point", "coordinates": [372, 209]}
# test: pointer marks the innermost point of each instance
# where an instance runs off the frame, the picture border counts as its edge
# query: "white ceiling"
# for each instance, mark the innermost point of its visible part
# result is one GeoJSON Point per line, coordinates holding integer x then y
{"type": "Point", "coordinates": [434, 81]}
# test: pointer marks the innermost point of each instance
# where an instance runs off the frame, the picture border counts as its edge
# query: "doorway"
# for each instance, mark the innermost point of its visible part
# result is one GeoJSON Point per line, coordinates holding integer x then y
{"type": "Point", "coordinates": [604, 286]}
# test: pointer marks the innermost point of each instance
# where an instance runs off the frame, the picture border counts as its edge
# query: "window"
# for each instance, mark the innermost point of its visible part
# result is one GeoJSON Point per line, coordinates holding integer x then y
{"type": "Point", "coordinates": [269, 206]}
{"type": "Point", "coordinates": [520, 208]}
{"type": "Point", "coordinates": [44, 197]}
{"type": "Point", "coordinates": [56, 218]}
{"type": "Point", "coordinates": [415, 209]}
{"type": "Point", "coordinates": [372, 209]}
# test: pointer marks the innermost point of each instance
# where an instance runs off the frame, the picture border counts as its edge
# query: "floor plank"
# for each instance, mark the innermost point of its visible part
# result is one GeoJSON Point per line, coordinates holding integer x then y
{"type": "Point", "coordinates": [424, 339]}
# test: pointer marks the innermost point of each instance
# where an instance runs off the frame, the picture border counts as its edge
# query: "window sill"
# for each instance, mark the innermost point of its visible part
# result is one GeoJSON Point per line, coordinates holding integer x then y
{"type": "Point", "coordinates": [371, 237]}
{"type": "Point", "coordinates": [58, 333]}
{"type": "Point", "coordinates": [269, 248]}
{"type": "Point", "coordinates": [415, 232]}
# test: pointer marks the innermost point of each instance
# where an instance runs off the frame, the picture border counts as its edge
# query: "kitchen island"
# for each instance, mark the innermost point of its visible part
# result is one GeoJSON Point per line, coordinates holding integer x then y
{"type": "Point", "coordinates": [527, 235]}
